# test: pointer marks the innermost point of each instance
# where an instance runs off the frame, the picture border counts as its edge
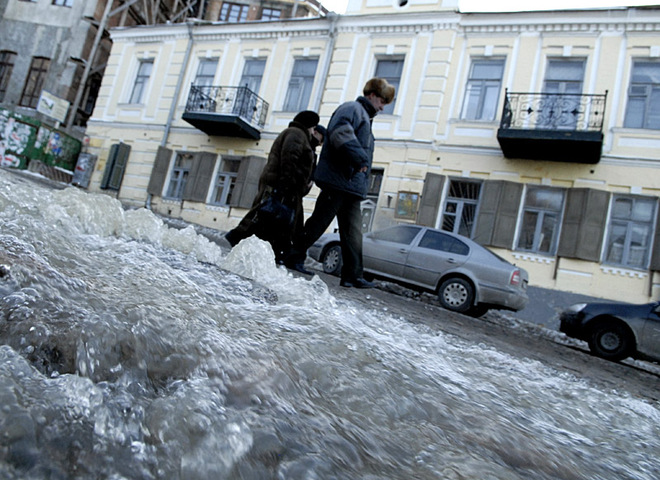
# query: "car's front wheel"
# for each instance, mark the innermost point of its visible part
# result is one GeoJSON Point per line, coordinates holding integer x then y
{"type": "Point", "coordinates": [456, 294]}
{"type": "Point", "coordinates": [611, 341]}
{"type": "Point", "coordinates": [331, 260]}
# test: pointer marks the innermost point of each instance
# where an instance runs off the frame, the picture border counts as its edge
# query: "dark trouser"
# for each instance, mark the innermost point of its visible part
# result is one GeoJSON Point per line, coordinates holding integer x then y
{"type": "Point", "coordinates": [278, 235]}
{"type": "Point", "coordinates": [346, 207]}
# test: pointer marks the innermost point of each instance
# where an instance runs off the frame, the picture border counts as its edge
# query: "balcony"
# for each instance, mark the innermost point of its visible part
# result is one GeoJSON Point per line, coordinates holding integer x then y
{"type": "Point", "coordinates": [552, 126]}
{"type": "Point", "coordinates": [226, 111]}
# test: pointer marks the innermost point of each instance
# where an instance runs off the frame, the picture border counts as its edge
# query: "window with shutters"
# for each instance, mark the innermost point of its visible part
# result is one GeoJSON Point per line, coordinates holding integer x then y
{"type": "Point", "coordinates": [35, 81]}
{"type": "Point", "coordinates": [300, 85]}
{"type": "Point", "coordinates": [482, 91]}
{"type": "Point", "coordinates": [225, 182]}
{"type": "Point", "coordinates": [461, 207]}
{"type": "Point", "coordinates": [180, 172]}
{"type": "Point", "coordinates": [630, 231]}
{"type": "Point", "coordinates": [541, 220]}
{"type": "Point", "coordinates": [643, 109]}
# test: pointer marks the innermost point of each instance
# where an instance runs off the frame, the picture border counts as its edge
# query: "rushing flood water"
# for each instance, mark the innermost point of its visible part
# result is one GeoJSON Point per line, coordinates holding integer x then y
{"type": "Point", "coordinates": [128, 351]}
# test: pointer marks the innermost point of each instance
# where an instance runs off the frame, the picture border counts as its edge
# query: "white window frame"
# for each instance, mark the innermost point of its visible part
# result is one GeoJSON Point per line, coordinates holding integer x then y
{"type": "Point", "coordinates": [225, 181]}
{"type": "Point", "coordinates": [206, 79]}
{"type": "Point", "coordinates": [485, 109]}
{"type": "Point", "coordinates": [141, 82]}
{"type": "Point", "coordinates": [393, 77]}
{"type": "Point", "coordinates": [178, 175]}
{"type": "Point", "coordinates": [301, 84]}
{"type": "Point", "coordinates": [625, 253]}
{"type": "Point", "coordinates": [646, 92]}
{"type": "Point", "coordinates": [541, 213]}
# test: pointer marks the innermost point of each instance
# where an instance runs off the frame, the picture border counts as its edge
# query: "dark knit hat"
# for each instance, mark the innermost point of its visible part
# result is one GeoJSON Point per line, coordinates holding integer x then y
{"type": "Point", "coordinates": [307, 118]}
{"type": "Point", "coordinates": [322, 130]}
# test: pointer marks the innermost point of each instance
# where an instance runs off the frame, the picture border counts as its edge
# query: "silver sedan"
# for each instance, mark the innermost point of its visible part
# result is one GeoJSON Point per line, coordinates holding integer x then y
{"type": "Point", "coordinates": [467, 277]}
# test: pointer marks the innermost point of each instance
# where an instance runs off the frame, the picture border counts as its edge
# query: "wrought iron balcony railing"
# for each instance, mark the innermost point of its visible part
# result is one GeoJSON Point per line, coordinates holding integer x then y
{"type": "Point", "coordinates": [231, 101]}
{"type": "Point", "coordinates": [553, 111]}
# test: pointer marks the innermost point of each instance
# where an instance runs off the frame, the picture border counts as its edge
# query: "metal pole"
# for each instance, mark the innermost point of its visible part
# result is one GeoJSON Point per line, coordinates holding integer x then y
{"type": "Point", "coordinates": [88, 64]}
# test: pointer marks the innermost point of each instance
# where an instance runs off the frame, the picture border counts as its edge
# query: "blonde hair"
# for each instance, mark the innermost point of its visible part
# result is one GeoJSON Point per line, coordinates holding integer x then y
{"type": "Point", "coordinates": [381, 88]}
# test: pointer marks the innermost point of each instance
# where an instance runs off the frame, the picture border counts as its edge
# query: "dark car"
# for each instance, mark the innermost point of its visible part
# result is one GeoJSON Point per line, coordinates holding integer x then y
{"type": "Point", "coordinates": [467, 277]}
{"type": "Point", "coordinates": [615, 331]}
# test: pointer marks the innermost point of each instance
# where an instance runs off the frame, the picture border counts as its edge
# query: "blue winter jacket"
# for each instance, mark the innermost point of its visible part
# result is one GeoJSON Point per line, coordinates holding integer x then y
{"type": "Point", "coordinates": [349, 146]}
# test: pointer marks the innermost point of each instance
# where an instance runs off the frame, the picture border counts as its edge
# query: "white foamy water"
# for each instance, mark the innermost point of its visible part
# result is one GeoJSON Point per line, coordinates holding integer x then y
{"type": "Point", "coordinates": [130, 350]}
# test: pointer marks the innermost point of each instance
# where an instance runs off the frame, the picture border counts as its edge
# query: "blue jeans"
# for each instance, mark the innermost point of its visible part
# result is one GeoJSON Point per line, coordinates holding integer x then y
{"type": "Point", "coordinates": [346, 207]}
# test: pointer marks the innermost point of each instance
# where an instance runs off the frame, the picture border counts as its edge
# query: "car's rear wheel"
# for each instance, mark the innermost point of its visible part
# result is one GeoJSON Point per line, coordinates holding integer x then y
{"type": "Point", "coordinates": [456, 294]}
{"type": "Point", "coordinates": [331, 260]}
{"type": "Point", "coordinates": [611, 340]}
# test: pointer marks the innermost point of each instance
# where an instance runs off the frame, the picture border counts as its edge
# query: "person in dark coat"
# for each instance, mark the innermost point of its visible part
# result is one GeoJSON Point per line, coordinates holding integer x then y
{"type": "Point", "coordinates": [285, 177]}
{"type": "Point", "coordinates": [342, 174]}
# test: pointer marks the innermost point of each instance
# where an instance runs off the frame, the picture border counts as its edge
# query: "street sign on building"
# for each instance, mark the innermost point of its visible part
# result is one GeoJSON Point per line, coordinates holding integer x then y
{"type": "Point", "coordinates": [53, 106]}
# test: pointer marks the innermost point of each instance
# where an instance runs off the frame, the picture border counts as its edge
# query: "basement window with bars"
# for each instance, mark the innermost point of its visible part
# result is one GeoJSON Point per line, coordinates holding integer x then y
{"type": "Point", "coordinates": [461, 207]}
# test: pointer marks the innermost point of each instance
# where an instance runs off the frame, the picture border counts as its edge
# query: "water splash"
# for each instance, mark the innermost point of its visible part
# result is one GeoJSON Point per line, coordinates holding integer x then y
{"type": "Point", "coordinates": [134, 350]}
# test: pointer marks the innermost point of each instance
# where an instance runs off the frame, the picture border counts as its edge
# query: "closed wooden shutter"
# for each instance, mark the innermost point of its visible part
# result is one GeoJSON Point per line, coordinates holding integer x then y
{"type": "Point", "coordinates": [655, 255]}
{"type": "Point", "coordinates": [498, 213]}
{"type": "Point", "coordinates": [159, 171]}
{"type": "Point", "coordinates": [199, 180]}
{"type": "Point", "coordinates": [488, 203]}
{"type": "Point", "coordinates": [507, 215]}
{"type": "Point", "coordinates": [247, 181]}
{"type": "Point", "coordinates": [583, 227]}
{"type": "Point", "coordinates": [430, 202]}
{"type": "Point", "coordinates": [115, 166]}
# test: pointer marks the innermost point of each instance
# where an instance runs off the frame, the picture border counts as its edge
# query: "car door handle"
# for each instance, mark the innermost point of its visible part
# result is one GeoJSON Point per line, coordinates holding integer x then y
{"type": "Point", "coordinates": [403, 250]}
{"type": "Point", "coordinates": [451, 260]}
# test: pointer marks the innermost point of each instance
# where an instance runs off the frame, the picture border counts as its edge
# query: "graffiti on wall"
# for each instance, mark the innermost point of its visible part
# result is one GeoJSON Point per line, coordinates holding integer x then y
{"type": "Point", "coordinates": [14, 139]}
{"type": "Point", "coordinates": [24, 138]}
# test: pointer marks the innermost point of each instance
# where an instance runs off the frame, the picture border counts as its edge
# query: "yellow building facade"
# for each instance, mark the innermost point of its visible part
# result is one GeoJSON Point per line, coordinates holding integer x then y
{"type": "Point", "coordinates": [534, 133]}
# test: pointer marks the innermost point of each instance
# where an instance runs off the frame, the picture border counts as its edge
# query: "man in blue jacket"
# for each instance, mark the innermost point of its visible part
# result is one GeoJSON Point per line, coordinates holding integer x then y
{"type": "Point", "coordinates": [342, 174]}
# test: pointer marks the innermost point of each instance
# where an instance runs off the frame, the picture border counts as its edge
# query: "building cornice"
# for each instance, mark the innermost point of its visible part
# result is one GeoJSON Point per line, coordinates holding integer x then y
{"type": "Point", "coordinates": [556, 22]}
